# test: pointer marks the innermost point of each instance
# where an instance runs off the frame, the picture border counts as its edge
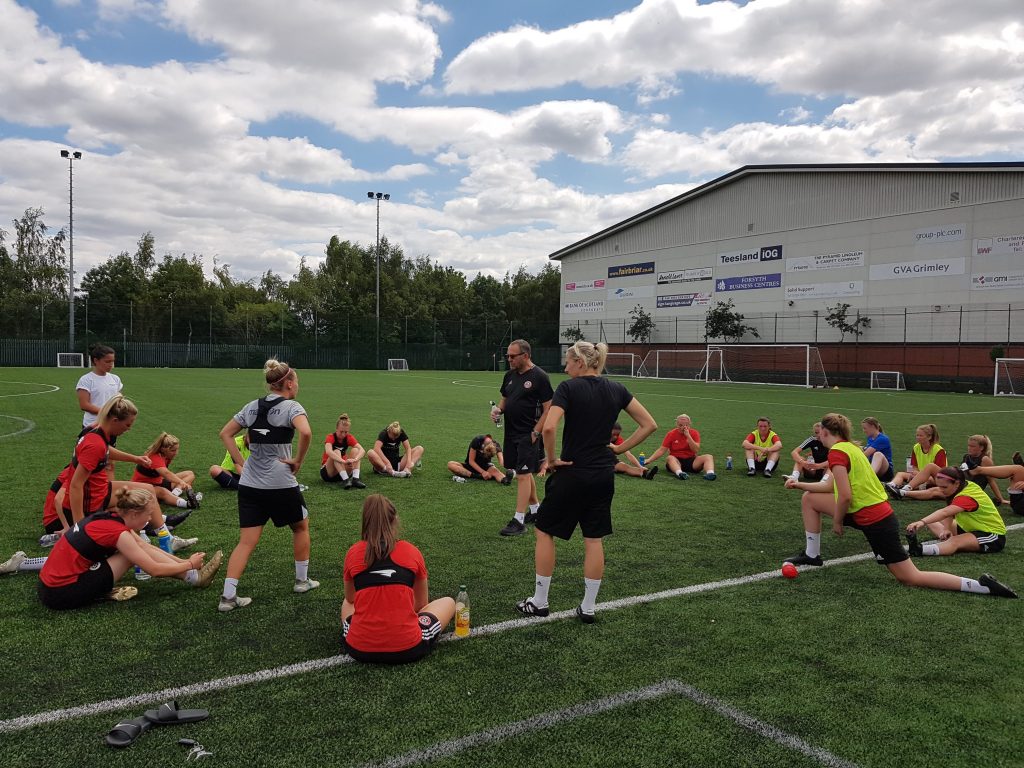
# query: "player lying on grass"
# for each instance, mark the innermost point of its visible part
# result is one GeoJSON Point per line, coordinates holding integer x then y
{"type": "Point", "coordinates": [171, 488]}
{"type": "Point", "coordinates": [969, 523]}
{"type": "Point", "coordinates": [810, 458]}
{"type": "Point", "coordinates": [387, 616]}
{"type": "Point", "coordinates": [479, 463]}
{"type": "Point", "coordinates": [386, 455]}
{"type": "Point", "coordinates": [1012, 472]}
{"type": "Point", "coordinates": [922, 486]}
{"type": "Point", "coordinates": [631, 466]}
{"type": "Point", "coordinates": [226, 473]}
{"type": "Point", "coordinates": [340, 462]}
{"type": "Point", "coordinates": [683, 447]}
{"type": "Point", "coordinates": [926, 450]}
{"type": "Point", "coordinates": [762, 448]}
{"type": "Point", "coordinates": [878, 449]}
{"type": "Point", "coordinates": [87, 562]}
{"type": "Point", "coordinates": [859, 501]}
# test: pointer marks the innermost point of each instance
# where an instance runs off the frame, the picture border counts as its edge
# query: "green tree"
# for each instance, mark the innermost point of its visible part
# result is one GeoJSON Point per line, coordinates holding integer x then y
{"type": "Point", "coordinates": [723, 322]}
{"type": "Point", "coordinates": [572, 333]}
{"type": "Point", "coordinates": [642, 327]}
{"type": "Point", "coordinates": [838, 317]}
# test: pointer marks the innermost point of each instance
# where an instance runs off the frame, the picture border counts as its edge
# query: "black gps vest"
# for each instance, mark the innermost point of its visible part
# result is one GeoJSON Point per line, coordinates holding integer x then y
{"type": "Point", "coordinates": [263, 432]}
{"type": "Point", "coordinates": [79, 538]}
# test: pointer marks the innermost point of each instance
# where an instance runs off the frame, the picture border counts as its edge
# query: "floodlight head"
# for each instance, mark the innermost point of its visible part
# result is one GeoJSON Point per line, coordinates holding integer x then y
{"type": "Point", "coordinates": [387, 197]}
{"type": "Point", "coordinates": [370, 195]}
{"type": "Point", "coordinates": [380, 195]}
{"type": "Point", "coordinates": [64, 153]}
{"type": "Point", "coordinates": [77, 155]}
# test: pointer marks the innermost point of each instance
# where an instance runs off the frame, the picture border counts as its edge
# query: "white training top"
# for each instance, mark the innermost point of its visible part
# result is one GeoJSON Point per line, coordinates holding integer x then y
{"type": "Point", "coordinates": [100, 389]}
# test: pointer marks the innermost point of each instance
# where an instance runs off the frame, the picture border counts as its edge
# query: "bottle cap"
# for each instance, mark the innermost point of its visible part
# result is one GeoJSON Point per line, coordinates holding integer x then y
{"type": "Point", "coordinates": [462, 586]}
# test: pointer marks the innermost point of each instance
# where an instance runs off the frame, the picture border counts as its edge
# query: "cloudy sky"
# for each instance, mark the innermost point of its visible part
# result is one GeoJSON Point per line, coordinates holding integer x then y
{"type": "Point", "coordinates": [251, 130]}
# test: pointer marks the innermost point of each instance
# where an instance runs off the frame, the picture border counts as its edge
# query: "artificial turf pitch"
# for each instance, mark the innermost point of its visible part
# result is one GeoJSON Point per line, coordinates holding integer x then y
{"type": "Point", "coordinates": [844, 658]}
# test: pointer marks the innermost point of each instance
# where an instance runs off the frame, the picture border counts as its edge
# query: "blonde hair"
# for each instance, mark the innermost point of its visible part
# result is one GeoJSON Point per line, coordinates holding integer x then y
{"type": "Point", "coordinates": [163, 442]}
{"type": "Point", "coordinates": [394, 428]}
{"type": "Point", "coordinates": [118, 407]}
{"type": "Point", "coordinates": [837, 425]}
{"type": "Point", "coordinates": [380, 527]}
{"type": "Point", "coordinates": [984, 442]}
{"type": "Point", "coordinates": [592, 355]}
{"type": "Point", "coordinates": [490, 449]}
{"type": "Point", "coordinates": [128, 499]}
{"type": "Point", "coordinates": [932, 431]}
{"type": "Point", "coordinates": [277, 373]}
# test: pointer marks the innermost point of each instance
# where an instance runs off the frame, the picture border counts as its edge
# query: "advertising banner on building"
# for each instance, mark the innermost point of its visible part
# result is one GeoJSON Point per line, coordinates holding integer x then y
{"type": "Point", "coordinates": [748, 282]}
{"type": "Point", "coordinates": [686, 275]}
{"type": "Point", "coordinates": [684, 300]}
{"type": "Point", "coordinates": [824, 290]}
{"type": "Point", "coordinates": [763, 253]}
{"type": "Point", "coordinates": [947, 233]}
{"type": "Point", "coordinates": [924, 268]}
{"type": "Point", "coordinates": [632, 270]}
{"type": "Point", "coordinates": [636, 292]}
{"type": "Point", "coordinates": [989, 281]}
{"type": "Point", "coordinates": [1003, 245]}
{"type": "Point", "coordinates": [582, 307]}
{"type": "Point", "coordinates": [825, 261]}
{"type": "Point", "coordinates": [584, 285]}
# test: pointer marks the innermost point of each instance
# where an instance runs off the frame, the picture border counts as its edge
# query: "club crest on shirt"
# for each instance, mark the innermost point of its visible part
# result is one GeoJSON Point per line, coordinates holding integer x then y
{"type": "Point", "coordinates": [527, 384]}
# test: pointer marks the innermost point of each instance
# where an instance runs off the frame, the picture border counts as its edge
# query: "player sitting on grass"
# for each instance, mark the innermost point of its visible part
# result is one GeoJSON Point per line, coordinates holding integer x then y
{"type": "Point", "coordinates": [87, 562]}
{"type": "Point", "coordinates": [386, 454]}
{"type": "Point", "coordinates": [859, 501]}
{"type": "Point", "coordinates": [226, 473]}
{"type": "Point", "coordinates": [970, 523]}
{"type": "Point", "coordinates": [979, 454]}
{"type": "Point", "coordinates": [1012, 472]}
{"type": "Point", "coordinates": [478, 464]}
{"type": "Point", "coordinates": [683, 447]}
{"type": "Point", "coordinates": [878, 449]}
{"type": "Point", "coordinates": [810, 458]}
{"type": "Point", "coordinates": [341, 457]}
{"type": "Point", "coordinates": [631, 466]}
{"type": "Point", "coordinates": [926, 451]}
{"type": "Point", "coordinates": [171, 488]}
{"type": "Point", "coordinates": [762, 448]}
{"type": "Point", "coordinates": [386, 616]}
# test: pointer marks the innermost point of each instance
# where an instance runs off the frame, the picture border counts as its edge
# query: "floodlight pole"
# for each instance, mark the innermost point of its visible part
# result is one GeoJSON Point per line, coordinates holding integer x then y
{"type": "Point", "coordinates": [378, 196]}
{"type": "Point", "coordinates": [71, 157]}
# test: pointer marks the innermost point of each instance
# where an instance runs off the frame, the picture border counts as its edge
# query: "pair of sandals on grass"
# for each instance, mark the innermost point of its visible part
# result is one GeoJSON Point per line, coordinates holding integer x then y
{"type": "Point", "coordinates": [126, 732]}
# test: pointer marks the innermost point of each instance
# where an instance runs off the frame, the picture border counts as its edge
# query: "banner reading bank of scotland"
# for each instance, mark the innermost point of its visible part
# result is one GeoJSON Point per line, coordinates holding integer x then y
{"type": "Point", "coordinates": [749, 282]}
{"type": "Point", "coordinates": [632, 270]}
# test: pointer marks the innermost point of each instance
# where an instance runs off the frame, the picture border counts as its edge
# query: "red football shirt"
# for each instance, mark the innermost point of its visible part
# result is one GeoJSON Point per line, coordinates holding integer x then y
{"type": "Point", "coordinates": [385, 619]}
{"type": "Point", "coordinates": [90, 452]}
{"type": "Point", "coordinates": [159, 462]}
{"type": "Point", "coordinates": [342, 445]}
{"type": "Point", "coordinates": [677, 446]}
{"type": "Point", "coordinates": [65, 564]}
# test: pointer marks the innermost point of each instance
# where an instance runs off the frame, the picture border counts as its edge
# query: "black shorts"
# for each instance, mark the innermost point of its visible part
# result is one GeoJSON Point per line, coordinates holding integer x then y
{"type": "Point", "coordinates": [990, 543]}
{"type": "Point", "coordinates": [523, 454]}
{"type": "Point", "coordinates": [53, 526]}
{"type": "Point", "coordinates": [394, 461]}
{"type": "Point", "coordinates": [812, 475]}
{"type": "Point", "coordinates": [573, 497]}
{"type": "Point", "coordinates": [430, 629]}
{"type": "Point", "coordinates": [473, 474]}
{"type": "Point", "coordinates": [327, 478]}
{"type": "Point", "coordinates": [686, 464]}
{"type": "Point", "coordinates": [888, 475]}
{"type": "Point", "coordinates": [285, 506]}
{"type": "Point", "coordinates": [883, 538]}
{"type": "Point", "coordinates": [93, 585]}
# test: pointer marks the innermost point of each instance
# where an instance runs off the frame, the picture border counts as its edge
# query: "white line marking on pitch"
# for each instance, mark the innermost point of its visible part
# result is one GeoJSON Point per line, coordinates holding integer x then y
{"type": "Point", "coordinates": [659, 690]}
{"type": "Point", "coordinates": [29, 426]}
{"type": "Point", "coordinates": [24, 722]}
{"type": "Point", "coordinates": [52, 388]}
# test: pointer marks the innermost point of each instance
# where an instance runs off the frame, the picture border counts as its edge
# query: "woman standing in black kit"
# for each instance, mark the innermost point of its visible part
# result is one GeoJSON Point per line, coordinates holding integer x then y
{"type": "Point", "coordinates": [581, 485]}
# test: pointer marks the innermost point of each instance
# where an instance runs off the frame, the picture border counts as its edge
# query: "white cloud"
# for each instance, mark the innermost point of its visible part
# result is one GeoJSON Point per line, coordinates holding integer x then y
{"type": "Point", "coordinates": [797, 114]}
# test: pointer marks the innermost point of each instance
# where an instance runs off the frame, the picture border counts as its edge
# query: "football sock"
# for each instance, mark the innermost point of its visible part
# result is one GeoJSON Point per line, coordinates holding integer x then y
{"type": "Point", "coordinates": [230, 588]}
{"type": "Point", "coordinates": [813, 546]}
{"type": "Point", "coordinates": [770, 466]}
{"type": "Point", "coordinates": [301, 570]}
{"type": "Point", "coordinates": [750, 463]}
{"type": "Point", "coordinates": [590, 587]}
{"type": "Point", "coordinates": [355, 473]}
{"type": "Point", "coordinates": [182, 503]}
{"type": "Point", "coordinates": [534, 508]}
{"type": "Point", "coordinates": [520, 517]}
{"type": "Point", "coordinates": [795, 474]}
{"type": "Point", "coordinates": [972, 585]}
{"type": "Point", "coordinates": [176, 491]}
{"type": "Point", "coordinates": [223, 479]}
{"type": "Point", "coordinates": [343, 475]}
{"type": "Point", "coordinates": [192, 576]}
{"type": "Point", "coordinates": [32, 564]}
{"type": "Point", "coordinates": [540, 591]}
{"type": "Point", "coordinates": [930, 548]}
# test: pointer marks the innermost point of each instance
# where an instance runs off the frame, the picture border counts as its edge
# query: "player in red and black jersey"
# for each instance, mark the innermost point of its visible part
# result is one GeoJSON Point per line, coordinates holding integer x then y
{"type": "Point", "coordinates": [88, 560]}
{"type": "Point", "coordinates": [631, 466]}
{"type": "Point", "coordinates": [172, 487]}
{"type": "Point", "coordinates": [341, 457]}
{"type": "Point", "coordinates": [386, 616]}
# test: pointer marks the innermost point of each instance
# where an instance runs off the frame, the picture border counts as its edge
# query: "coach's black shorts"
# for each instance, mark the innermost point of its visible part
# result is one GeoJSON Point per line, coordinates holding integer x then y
{"type": "Point", "coordinates": [91, 586]}
{"type": "Point", "coordinates": [284, 506]}
{"type": "Point", "coordinates": [523, 455]}
{"type": "Point", "coordinates": [572, 498]}
{"type": "Point", "coordinates": [883, 538]}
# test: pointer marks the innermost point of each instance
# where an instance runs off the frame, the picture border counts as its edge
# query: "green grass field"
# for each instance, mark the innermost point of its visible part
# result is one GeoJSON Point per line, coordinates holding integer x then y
{"type": "Point", "coordinates": [843, 658]}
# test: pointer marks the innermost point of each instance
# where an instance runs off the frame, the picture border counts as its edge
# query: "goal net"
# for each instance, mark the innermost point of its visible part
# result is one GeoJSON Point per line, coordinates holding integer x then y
{"type": "Point", "coordinates": [783, 364]}
{"type": "Point", "coordinates": [620, 364]}
{"type": "Point", "coordinates": [398, 364]}
{"type": "Point", "coordinates": [70, 360]}
{"type": "Point", "coordinates": [675, 363]}
{"type": "Point", "coordinates": [1009, 377]}
{"type": "Point", "coordinates": [888, 380]}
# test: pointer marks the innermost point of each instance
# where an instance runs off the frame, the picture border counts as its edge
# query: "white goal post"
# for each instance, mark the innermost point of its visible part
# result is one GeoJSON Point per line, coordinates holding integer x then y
{"type": "Point", "coordinates": [795, 365]}
{"type": "Point", "coordinates": [398, 364]}
{"type": "Point", "coordinates": [888, 380]}
{"type": "Point", "coordinates": [70, 360]}
{"type": "Point", "coordinates": [1009, 378]}
{"type": "Point", "coordinates": [620, 364]}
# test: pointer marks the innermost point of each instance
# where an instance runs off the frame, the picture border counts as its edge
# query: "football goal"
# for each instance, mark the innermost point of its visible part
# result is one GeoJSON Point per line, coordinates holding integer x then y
{"type": "Point", "coordinates": [674, 363]}
{"type": "Point", "coordinates": [796, 365]}
{"type": "Point", "coordinates": [888, 380]}
{"type": "Point", "coordinates": [620, 364]}
{"type": "Point", "coordinates": [1009, 377]}
{"type": "Point", "coordinates": [398, 364]}
{"type": "Point", "coordinates": [70, 360]}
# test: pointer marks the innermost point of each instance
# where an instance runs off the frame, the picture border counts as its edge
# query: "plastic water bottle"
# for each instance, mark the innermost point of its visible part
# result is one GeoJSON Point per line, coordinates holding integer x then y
{"type": "Point", "coordinates": [642, 458]}
{"type": "Point", "coordinates": [910, 464]}
{"type": "Point", "coordinates": [462, 612]}
{"type": "Point", "coordinates": [164, 541]}
{"type": "Point", "coordinates": [497, 421]}
{"type": "Point", "coordinates": [728, 461]}
{"type": "Point", "coordinates": [459, 479]}
{"type": "Point", "coordinates": [141, 575]}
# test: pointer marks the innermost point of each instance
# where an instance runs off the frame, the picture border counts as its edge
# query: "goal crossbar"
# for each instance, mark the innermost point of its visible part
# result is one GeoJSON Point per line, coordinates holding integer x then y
{"type": "Point", "coordinates": [1009, 377]}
